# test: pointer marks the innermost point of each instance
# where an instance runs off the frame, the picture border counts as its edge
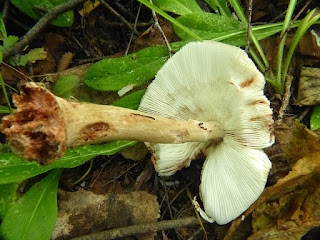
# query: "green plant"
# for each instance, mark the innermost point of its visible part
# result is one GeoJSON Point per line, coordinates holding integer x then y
{"type": "Point", "coordinates": [32, 56]}
{"type": "Point", "coordinates": [179, 7]}
{"type": "Point", "coordinates": [36, 8]}
{"type": "Point", "coordinates": [194, 24]}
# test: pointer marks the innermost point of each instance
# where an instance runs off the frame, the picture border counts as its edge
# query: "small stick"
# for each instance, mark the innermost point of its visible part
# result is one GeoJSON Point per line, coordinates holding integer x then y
{"type": "Point", "coordinates": [134, 27]}
{"type": "Point", "coordinates": [285, 100]}
{"type": "Point", "coordinates": [39, 26]}
{"type": "Point", "coordinates": [5, 10]}
{"type": "Point", "coordinates": [249, 26]}
{"type": "Point", "coordinates": [122, 19]}
{"type": "Point", "coordinates": [124, 9]}
{"type": "Point", "coordinates": [44, 125]}
{"type": "Point", "coordinates": [141, 228]}
{"type": "Point", "coordinates": [157, 25]}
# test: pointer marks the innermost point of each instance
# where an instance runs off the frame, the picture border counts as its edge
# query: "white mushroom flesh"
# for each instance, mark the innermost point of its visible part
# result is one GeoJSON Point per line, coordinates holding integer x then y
{"type": "Point", "coordinates": [211, 81]}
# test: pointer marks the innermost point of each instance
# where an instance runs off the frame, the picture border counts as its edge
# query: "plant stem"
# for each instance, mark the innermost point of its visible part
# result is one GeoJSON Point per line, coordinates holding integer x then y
{"type": "Point", "coordinates": [239, 11]}
{"type": "Point", "coordinates": [170, 19]}
{"type": "Point", "coordinates": [306, 23]}
{"type": "Point", "coordinates": [283, 37]}
{"type": "Point", "coordinates": [5, 93]}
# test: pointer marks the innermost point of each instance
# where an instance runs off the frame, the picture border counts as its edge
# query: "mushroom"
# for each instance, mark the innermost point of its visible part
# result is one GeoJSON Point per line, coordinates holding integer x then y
{"type": "Point", "coordinates": [207, 98]}
{"type": "Point", "coordinates": [211, 81]}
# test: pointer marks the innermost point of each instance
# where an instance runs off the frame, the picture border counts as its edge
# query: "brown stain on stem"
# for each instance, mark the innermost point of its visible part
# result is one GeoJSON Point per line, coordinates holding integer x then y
{"type": "Point", "coordinates": [95, 131]}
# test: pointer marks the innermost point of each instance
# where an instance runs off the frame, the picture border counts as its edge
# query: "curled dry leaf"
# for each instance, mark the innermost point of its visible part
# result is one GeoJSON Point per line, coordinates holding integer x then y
{"type": "Point", "coordinates": [296, 211]}
{"type": "Point", "coordinates": [308, 87]}
{"type": "Point", "coordinates": [301, 142]}
{"type": "Point", "coordinates": [84, 212]}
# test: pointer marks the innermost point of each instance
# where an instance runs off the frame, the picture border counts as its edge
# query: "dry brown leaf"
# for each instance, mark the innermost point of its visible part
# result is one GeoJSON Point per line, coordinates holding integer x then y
{"type": "Point", "coordinates": [84, 212]}
{"type": "Point", "coordinates": [65, 61]}
{"type": "Point", "coordinates": [287, 210]}
{"type": "Point", "coordinates": [136, 152]}
{"type": "Point", "coordinates": [88, 7]}
{"type": "Point", "coordinates": [153, 37]}
{"type": "Point", "coordinates": [308, 87]}
{"type": "Point", "coordinates": [309, 44]}
{"type": "Point", "coordinates": [301, 142]}
{"type": "Point", "coordinates": [299, 212]}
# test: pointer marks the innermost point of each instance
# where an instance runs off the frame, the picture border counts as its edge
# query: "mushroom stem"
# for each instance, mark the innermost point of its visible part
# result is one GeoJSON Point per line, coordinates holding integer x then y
{"type": "Point", "coordinates": [44, 125]}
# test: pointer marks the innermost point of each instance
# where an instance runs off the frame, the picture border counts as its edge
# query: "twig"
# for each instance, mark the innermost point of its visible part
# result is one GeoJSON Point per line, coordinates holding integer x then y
{"type": "Point", "coordinates": [122, 19]}
{"type": "Point", "coordinates": [157, 25]}
{"type": "Point", "coordinates": [303, 114]}
{"type": "Point", "coordinates": [5, 10]}
{"type": "Point", "coordinates": [141, 228]}
{"type": "Point", "coordinates": [80, 45]}
{"type": "Point", "coordinates": [117, 177]}
{"type": "Point", "coordinates": [168, 201]}
{"type": "Point", "coordinates": [298, 14]}
{"type": "Point", "coordinates": [196, 234]}
{"type": "Point", "coordinates": [124, 9]}
{"type": "Point", "coordinates": [134, 27]}
{"type": "Point", "coordinates": [197, 213]}
{"type": "Point", "coordinates": [40, 25]}
{"type": "Point", "coordinates": [286, 99]}
{"type": "Point", "coordinates": [249, 26]}
{"type": "Point", "coordinates": [91, 60]}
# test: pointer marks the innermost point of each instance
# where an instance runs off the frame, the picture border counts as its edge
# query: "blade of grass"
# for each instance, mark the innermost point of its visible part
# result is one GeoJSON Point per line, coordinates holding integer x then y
{"type": "Point", "coordinates": [170, 19]}
{"type": "Point", "coordinates": [288, 17]}
{"type": "Point", "coordinates": [5, 93]}
{"type": "Point", "coordinates": [240, 13]}
{"type": "Point", "coordinates": [221, 5]}
{"type": "Point", "coordinates": [311, 18]}
{"type": "Point", "coordinates": [283, 37]}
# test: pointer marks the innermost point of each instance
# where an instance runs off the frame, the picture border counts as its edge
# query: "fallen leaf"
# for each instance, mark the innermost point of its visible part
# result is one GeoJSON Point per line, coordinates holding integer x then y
{"type": "Point", "coordinates": [88, 6]}
{"type": "Point", "coordinates": [308, 87]}
{"type": "Point", "coordinates": [65, 61]}
{"type": "Point", "coordinates": [281, 211]}
{"type": "Point", "coordinates": [301, 142]}
{"type": "Point", "coordinates": [84, 212]}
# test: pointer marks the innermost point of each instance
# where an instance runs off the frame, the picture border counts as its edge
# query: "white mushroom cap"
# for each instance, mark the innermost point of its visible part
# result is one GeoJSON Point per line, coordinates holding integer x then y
{"type": "Point", "coordinates": [211, 81]}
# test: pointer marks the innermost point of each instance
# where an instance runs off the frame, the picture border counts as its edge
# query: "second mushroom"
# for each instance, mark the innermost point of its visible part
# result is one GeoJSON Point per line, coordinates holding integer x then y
{"type": "Point", "coordinates": [207, 99]}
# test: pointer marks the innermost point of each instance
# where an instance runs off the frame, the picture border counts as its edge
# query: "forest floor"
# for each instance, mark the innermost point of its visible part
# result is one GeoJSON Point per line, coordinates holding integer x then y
{"type": "Point", "coordinates": [128, 188]}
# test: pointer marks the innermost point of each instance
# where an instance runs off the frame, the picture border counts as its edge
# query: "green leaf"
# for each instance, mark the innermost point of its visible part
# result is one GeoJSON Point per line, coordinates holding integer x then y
{"type": "Point", "coordinates": [236, 37]}
{"type": "Point", "coordinates": [8, 195]}
{"type": "Point", "coordinates": [32, 56]}
{"type": "Point", "coordinates": [15, 169]}
{"type": "Point", "coordinates": [206, 24]}
{"type": "Point", "coordinates": [2, 29]}
{"type": "Point", "coordinates": [169, 18]}
{"type": "Point", "coordinates": [179, 7]}
{"type": "Point", "coordinates": [137, 68]}
{"type": "Point", "coordinates": [4, 109]}
{"type": "Point", "coordinates": [221, 5]}
{"type": "Point", "coordinates": [115, 73]}
{"type": "Point", "coordinates": [131, 101]}
{"type": "Point", "coordinates": [29, 8]}
{"type": "Point", "coordinates": [9, 41]}
{"type": "Point", "coordinates": [315, 118]}
{"type": "Point", "coordinates": [70, 87]}
{"type": "Point", "coordinates": [33, 216]}
{"type": "Point", "coordinates": [65, 85]}
{"type": "Point", "coordinates": [311, 18]}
